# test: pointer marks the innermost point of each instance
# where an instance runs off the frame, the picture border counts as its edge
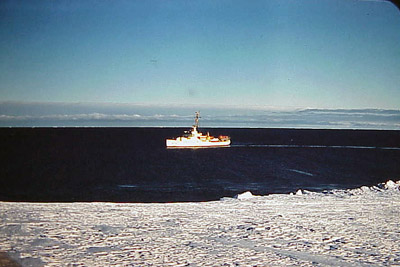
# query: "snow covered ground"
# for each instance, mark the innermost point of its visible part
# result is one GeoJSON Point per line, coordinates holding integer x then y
{"type": "Point", "coordinates": [359, 227]}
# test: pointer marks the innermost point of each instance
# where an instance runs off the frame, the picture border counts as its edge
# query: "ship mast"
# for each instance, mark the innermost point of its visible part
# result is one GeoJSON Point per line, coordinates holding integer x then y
{"type": "Point", "coordinates": [196, 119]}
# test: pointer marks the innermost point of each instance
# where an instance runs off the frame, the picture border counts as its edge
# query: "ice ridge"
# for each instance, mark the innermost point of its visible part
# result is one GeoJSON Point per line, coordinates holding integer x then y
{"type": "Point", "coordinates": [381, 187]}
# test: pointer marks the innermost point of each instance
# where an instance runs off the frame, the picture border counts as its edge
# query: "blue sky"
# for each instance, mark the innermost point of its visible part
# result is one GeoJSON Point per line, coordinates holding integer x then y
{"type": "Point", "coordinates": [290, 54]}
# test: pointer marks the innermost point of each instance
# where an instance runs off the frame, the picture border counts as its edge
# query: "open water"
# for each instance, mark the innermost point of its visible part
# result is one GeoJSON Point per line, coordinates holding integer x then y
{"type": "Point", "coordinates": [133, 164]}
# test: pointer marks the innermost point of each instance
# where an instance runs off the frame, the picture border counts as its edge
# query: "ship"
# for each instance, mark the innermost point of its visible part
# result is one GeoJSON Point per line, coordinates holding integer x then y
{"type": "Point", "coordinates": [194, 138]}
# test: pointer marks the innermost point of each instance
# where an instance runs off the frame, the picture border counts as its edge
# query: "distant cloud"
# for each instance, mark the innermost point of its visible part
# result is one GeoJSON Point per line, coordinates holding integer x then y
{"type": "Point", "coordinates": [92, 116]}
{"type": "Point", "coordinates": [27, 114]}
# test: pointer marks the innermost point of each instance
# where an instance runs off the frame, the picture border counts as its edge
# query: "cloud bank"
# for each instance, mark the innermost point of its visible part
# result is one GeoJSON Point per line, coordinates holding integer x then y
{"type": "Point", "coordinates": [28, 114]}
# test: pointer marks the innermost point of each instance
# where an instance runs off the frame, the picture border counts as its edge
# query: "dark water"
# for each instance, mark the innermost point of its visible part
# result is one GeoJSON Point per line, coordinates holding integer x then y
{"type": "Point", "coordinates": [133, 165]}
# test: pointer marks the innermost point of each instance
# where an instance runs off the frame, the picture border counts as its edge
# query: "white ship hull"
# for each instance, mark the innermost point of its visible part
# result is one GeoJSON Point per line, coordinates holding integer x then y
{"type": "Point", "coordinates": [196, 143]}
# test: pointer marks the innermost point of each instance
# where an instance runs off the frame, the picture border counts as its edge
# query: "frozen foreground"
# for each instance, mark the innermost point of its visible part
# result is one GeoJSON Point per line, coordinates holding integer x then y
{"type": "Point", "coordinates": [359, 227]}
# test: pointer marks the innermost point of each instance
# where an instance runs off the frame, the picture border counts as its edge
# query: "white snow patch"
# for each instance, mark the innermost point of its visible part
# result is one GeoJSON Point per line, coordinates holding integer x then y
{"type": "Point", "coordinates": [245, 195]}
{"type": "Point", "coordinates": [299, 192]}
{"type": "Point", "coordinates": [392, 185]}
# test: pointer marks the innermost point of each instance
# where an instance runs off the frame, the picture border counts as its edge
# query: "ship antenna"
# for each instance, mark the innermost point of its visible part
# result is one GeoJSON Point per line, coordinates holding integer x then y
{"type": "Point", "coordinates": [196, 119]}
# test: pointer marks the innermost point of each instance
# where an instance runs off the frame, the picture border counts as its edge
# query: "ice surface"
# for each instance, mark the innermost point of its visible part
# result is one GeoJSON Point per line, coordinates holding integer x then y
{"type": "Point", "coordinates": [357, 227]}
